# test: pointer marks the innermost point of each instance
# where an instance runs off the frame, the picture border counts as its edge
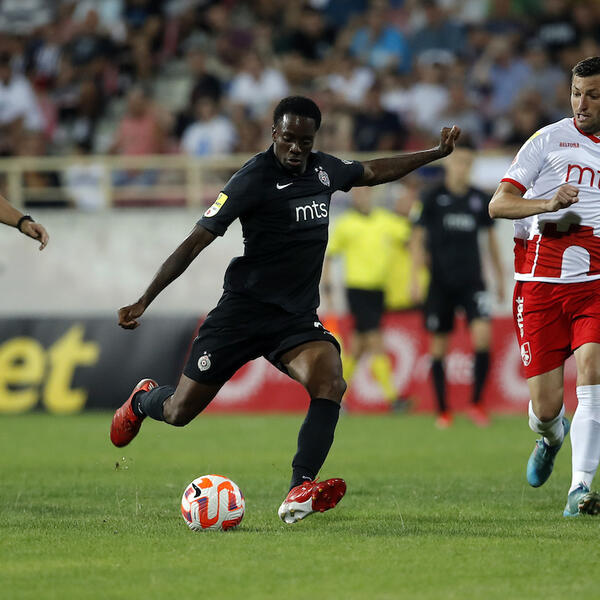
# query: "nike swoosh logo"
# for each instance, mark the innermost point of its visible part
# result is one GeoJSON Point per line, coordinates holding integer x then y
{"type": "Point", "coordinates": [280, 187]}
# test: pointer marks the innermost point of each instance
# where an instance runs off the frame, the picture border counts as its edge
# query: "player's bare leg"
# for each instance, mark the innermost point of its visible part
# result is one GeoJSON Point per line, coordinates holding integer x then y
{"type": "Point", "coordinates": [481, 334]}
{"type": "Point", "coordinates": [176, 406]}
{"type": "Point", "coordinates": [546, 416]}
{"type": "Point", "coordinates": [317, 366]}
{"type": "Point", "coordinates": [585, 433]}
{"type": "Point", "coordinates": [188, 401]}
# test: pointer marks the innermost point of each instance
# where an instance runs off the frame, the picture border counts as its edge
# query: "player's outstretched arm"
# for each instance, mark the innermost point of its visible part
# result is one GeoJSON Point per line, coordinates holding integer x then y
{"type": "Point", "coordinates": [172, 268]}
{"type": "Point", "coordinates": [383, 170]}
{"type": "Point", "coordinates": [9, 215]}
{"type": "Point", "coordinates": [508, 202]}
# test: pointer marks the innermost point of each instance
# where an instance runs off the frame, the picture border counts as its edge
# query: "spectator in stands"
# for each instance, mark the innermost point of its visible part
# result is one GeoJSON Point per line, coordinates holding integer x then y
{"type": "Point", "coordinates": [19, 110]}
{"type": "Point", "coordinates": [204, 82]}
{"type": "Point", "coordinates": [500, 72]}
{"type": "Point", "coordinates": [429, 89]}
{"type": "Point", "coordinates": [144, 22]}
{"type": "Point", "coordinates": [544, 76]}
{"type": "Point", "coordinates": [527, 116]}
{"type": "Point", "coordinates": [350, 80]}
{"type": "Point", "coordinates": [257, 86]}
{"type": "Point", "coordinates": [555, 26]}
{"type": "Point", "coordinates": [439, 32]}
{"type": "Point", "coordinates": [379, 44]}
{"type": "Point", "coordinates": [90, 49]}
{"type": "Point", "coordinates": [22, 18]}
{"type": "Point", "coordinates": [310, 37]}
{"type": "Point", "coordinates": [211, 133]}
{"type": "Point", "coordinates": [142, 130]}
{"type": "Point", "coordinates": [462, 109]}
{"type": "Point", "coordinates": [376, 128]}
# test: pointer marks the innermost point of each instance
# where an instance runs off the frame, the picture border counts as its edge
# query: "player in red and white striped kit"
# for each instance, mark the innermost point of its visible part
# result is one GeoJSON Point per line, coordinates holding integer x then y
{"type": "Point", "coordinates": [552, 190]}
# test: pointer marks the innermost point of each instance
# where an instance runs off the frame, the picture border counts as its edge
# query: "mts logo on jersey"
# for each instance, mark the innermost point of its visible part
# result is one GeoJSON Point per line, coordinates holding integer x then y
{"type": "Point", "coordinates": [582, 175]}
{"type": "Point", "coordinates": [311, 210]}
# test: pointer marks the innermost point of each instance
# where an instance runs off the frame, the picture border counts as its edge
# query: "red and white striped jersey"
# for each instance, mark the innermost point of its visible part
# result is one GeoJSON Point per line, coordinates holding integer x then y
{"type": "Point", "coordinates": [564, 246]}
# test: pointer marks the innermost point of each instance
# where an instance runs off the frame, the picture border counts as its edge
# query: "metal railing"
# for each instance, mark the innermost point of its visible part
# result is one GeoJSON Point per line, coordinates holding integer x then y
{"type": "Point", "coordinates": [172, 179]}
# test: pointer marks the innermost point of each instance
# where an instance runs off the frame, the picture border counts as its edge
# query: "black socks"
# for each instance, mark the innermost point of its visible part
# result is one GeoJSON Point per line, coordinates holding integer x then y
{"type": "Point", "coordinates": [439, 383]}
{"type": "Point", "coordinates": [150, 404]}
{"type": "Point", "coordinates": [314, 440]}
{"type": "Point", "coordinates": [482, 364]}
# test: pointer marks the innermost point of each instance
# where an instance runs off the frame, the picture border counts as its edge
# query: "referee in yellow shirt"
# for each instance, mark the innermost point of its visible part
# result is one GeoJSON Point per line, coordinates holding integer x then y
{"type": "Point", "coordinates": [365, 237]}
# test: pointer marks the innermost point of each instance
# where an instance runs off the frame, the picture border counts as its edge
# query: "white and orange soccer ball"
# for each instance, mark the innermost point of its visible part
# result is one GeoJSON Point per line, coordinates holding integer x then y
{"type": "Point", "coordinates": [212, 502]}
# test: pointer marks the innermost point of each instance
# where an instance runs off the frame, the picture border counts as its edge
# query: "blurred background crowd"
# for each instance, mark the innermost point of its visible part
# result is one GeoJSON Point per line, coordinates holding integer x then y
{"type": "Point", "coordinates": [138, 77]}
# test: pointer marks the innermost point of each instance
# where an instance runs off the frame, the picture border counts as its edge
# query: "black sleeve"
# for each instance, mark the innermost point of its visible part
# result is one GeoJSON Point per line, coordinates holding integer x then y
{"type": "Point", "coordinates": [343, 173]}
{"type": "Point", "coordinates": [238, 197]}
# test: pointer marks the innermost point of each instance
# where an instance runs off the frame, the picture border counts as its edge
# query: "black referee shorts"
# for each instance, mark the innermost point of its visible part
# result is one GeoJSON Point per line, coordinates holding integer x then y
{"type": "Point", "coordinates": [240, 329]}
{"type": "Point", "coordinates": [444, 300]}
{"type": "Point", "coordinates": [366, 307]}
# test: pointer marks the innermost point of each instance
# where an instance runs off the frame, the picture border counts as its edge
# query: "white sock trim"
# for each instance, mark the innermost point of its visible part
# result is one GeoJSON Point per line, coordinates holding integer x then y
{"type": "Point", "coordinates": [552, 431]}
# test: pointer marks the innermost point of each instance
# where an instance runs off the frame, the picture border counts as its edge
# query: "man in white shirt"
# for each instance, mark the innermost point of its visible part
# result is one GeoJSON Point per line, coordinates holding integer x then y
{"type": "Point", "coordinates": [552, 191]}
{"type": "Point", "coordinates": [19, 109]}
{"type": "Point", "coordinates": [212, 133]}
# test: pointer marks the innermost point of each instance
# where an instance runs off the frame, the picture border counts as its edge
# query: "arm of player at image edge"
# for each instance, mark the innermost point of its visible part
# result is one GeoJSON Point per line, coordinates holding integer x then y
{"type": "Point", "coordinates": [13, 217]}
{"type": "Point", "coordinates": [496, 260]}
{"type": "Point", "coordinates": [384, 170]}
{"type": "Point", "coordinates": [170, 270]}
{"type": "Point", "coordinates": [508, 202]}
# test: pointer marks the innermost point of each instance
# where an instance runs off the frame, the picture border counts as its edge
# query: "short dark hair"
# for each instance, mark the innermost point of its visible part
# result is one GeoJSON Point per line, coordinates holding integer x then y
{"type": "Point", "coordinates": [587, 67]}
{"type": "Point", "coordinates": [299, 106]}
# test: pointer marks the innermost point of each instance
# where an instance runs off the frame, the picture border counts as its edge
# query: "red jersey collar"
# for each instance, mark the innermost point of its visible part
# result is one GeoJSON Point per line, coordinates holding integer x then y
{"type": "Point", "coordinates": [594, 138]}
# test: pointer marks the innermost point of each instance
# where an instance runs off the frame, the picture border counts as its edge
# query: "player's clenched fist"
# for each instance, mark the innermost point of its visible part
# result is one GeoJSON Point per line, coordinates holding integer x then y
{"type": "Point", "coordinates": [448, 137]}
{"type": "Point", "coordinates": [129, 314]}
{"type": "Point", "coordinates": [565, 196]}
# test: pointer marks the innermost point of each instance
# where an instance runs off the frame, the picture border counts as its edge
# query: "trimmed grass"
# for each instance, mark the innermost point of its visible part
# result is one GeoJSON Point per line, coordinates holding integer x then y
{"type": "Point", "coordinates": [428, 514]}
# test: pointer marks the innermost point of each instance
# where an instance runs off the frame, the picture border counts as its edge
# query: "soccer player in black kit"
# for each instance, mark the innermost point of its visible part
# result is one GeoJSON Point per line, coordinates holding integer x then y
{"type": "Point", "coordinates": [445, 235]}
{"type": "Point", "coordinates": [268, 307]}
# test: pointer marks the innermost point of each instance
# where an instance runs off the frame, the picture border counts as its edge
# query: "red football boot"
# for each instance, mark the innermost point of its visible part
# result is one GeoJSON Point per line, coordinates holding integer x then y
{"type": "Point", "coordinates": [126, 424]}
{"type": "Point", "coordinates": [310, 497]}
{"type": "Point", "coordinates": [478, 415]}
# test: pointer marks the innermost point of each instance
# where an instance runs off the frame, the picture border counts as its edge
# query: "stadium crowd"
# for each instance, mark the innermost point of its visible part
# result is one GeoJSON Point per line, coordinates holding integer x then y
{"type": "Point", "coordinates": [85, 76]}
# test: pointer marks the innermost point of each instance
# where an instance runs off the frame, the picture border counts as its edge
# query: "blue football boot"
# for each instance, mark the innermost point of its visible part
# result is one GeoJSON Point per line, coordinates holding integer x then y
{"type": "Point", "coordinates": [541, 461]}
{"type": "Point", "coordinates": [582, 502]}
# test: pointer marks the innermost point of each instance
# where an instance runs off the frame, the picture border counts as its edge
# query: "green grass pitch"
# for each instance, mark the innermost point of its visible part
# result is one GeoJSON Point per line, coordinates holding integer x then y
{"type": "Point", "coordinates": [428, 514]}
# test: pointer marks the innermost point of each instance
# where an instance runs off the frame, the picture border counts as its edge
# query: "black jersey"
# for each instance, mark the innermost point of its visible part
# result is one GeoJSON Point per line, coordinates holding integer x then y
{"type": "Point", "coordinates": [452, 224]}
{"type": "Point", "coordinates": [285, 219]}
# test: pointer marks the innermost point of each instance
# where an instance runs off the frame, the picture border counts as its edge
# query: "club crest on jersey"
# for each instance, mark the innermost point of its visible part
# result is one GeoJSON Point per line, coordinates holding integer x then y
{"type": "Point", "coordinates": [475, 203]}
{"type": "Point", "coordinates": [525, 354]}
{"type": "Point", "coordinates": [323, 177]}
{"type": "Point", "coordinates": [204, 362]}
{"type": "Point", "coordinates": [216, 207]}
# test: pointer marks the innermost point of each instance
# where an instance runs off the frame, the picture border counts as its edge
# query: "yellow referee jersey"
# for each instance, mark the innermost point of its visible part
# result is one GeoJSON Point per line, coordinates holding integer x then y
{"type": "Point", "coordinates": [367, 243]}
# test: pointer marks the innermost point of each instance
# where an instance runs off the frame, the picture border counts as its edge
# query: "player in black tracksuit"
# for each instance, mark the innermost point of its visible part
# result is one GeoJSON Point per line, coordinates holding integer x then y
{"type": "Point", "coordinates": [447, 232]}
{"type": "Point", "coordinates": [268, 307]}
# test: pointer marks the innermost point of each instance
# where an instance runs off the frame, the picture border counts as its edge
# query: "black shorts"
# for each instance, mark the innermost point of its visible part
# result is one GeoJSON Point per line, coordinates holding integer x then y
{"type": "Point", "coordinates": [443, 301]}
{"type": "Point", "coordinates": [240, 329]}
{"type": "Point", "coordinates": [366, 307]}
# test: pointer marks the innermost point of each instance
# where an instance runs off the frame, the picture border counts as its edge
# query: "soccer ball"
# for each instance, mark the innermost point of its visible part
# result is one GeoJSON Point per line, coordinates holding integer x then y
{"type": "Point", "coordinates": [212, 502]}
